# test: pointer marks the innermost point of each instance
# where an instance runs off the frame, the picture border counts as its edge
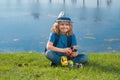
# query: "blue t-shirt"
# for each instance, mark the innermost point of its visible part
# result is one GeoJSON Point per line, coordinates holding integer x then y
{"type": "Point", "coordinates": [62, 43]}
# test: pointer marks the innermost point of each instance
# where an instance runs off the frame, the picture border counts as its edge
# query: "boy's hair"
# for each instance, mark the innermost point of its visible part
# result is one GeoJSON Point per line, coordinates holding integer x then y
{"type": "Point", "coordinates": [56, 30]}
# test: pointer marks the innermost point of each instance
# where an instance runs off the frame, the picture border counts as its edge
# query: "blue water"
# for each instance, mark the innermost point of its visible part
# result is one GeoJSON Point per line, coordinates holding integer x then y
{"type": "Point", "coordinates": [25, 24]}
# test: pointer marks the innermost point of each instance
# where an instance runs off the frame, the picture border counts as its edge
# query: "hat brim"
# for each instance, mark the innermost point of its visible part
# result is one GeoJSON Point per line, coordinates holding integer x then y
{"type": "Point", "coordinates": [66, 19]}
{"type": "Point", "coordinates": [63, 21]}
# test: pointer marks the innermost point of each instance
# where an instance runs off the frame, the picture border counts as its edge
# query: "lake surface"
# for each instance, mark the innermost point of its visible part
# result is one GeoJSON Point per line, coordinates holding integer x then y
{"type": "Point", "coordinates": [25, 24]}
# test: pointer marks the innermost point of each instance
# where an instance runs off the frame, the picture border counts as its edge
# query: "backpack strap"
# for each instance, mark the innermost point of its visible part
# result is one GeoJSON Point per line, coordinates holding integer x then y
{"type": "Point", "coordinates": [69, 41]}
{"type": "Point", "coordinates": [56, 40]}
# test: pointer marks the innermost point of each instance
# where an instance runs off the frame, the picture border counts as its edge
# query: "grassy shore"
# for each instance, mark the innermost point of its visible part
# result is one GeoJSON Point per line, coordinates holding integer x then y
{"type": "Point", "coordinates": [35, 66]}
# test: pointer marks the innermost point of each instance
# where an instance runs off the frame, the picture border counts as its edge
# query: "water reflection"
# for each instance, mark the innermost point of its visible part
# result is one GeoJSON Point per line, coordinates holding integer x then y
{"type": "Point", "coordinates": [83, 3]}
{"type": "Point", "coordinates": [35, 9]}
{"type": "Point", "coordinates": [109, 3]}
{"type": "Point", "coordinates": [98, 3]}
{"type": "Point", "coordinates": [74, 1]}
{"type": "Point", "coordinates": [50, 1]}
{"type": "Point", "coordinates": [97, 14]}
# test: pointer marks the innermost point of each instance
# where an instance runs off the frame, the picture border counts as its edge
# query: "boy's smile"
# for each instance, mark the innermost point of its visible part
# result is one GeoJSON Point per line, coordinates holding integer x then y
{"type": "Point", "coordinates": [64, 27]}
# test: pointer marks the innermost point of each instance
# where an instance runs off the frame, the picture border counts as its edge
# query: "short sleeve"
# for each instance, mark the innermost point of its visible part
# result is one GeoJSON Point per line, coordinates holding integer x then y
{"type": "Point", "coordinates": [52, 37]}
{"type": "Point", "coordinates": [74, 41]}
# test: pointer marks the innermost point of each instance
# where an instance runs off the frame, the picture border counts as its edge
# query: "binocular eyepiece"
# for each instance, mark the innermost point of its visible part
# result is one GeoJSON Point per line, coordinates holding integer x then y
{"type": "Point", "coordinates": [73, 50]}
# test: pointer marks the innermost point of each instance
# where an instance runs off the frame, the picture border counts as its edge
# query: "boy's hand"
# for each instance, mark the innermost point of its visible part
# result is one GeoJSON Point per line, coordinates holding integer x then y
{"type": "Point", "coordinates": [68, 50]}
{"type": "Point", "coordinates": [71, 52]}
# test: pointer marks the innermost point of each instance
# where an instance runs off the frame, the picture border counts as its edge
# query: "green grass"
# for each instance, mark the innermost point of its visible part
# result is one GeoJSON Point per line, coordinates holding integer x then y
{"type": "Point", "coordinates": [104, 66]}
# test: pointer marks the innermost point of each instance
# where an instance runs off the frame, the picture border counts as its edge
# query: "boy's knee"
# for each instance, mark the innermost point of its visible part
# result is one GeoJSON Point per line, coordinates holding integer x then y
{"type": "Point", "coordinates": [48, 53]}
{"type": "Point", "coordinates": [84, 58]}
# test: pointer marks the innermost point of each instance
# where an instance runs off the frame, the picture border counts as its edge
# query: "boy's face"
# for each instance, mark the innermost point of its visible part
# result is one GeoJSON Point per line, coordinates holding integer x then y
{"type": "Point", "coordinates": [64, 27]}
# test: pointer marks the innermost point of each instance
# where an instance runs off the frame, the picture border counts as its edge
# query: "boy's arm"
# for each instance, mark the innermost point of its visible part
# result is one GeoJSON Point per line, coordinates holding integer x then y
{"type": "Point", "coordinates": [56, 49]}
